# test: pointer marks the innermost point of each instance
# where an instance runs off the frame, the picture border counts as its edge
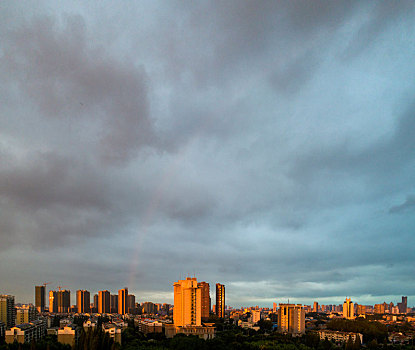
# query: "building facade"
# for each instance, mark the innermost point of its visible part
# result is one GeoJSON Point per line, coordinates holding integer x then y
{"type": "Point", "coordinates": [25, 314]}
{"type": "Point", "coordinates": [123, 301]}
{"type": "Point", "coordinates": [205, 302]}
{"type": "Point", "coordinates": [104, 302]}
{"type": "Point", "coordinates": [348, 309]}
{"type": "Point", "coordinates": [40, 298]}
{"type": "Point", "coordinates": [7, 310]}
{"type": "Point", "coordinates": [220, 300]}
{"type": "Point", "coordinates": [187, 303]}
{"type": "Point", "coordinates": [83, 301]}
{"type": "Point", "coordinates": [291, 319]}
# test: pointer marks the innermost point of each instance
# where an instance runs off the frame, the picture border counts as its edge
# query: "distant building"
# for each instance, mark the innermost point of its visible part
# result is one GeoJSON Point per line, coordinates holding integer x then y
{"type": "Point", "coordinates": [205, 301]}
{"type": "Point", "coordinates": [40, 298]}
{"type": "Point", "coordinates": [361, 309]}
{"type": "Point", "coordinates": [339, 337]}
{"type": "Point", "coordinates": [83, 301]}
{"type": "Point", "coordinates": [7, 310]}
{"type": "Point", "coordinates": [291, 319]}
{"type": "Point", "coordinates": [25, 314]}
{"type": "Point", "coordinates": [220, 300]}
{"type": "Point", "coordinates": [123, 301]}
{"type": "Point", "coordinates": [256, 316]}
{"type": "Point", "coordinates": [104, 302]}
{"type": "Point", "coordinates": [96, 301]}
{"type": "Point", "coordinates": [53, 301]}
{"type": "Point", "coordinates": [2, 329]}
{"type": "Point", "coordinates": [348, 309]}
{"type": "Point", "coordinates": [315, 307]}
{"type": "Point", "coordinates": [114, 303]}
{"type": "Point", "coordinates": [403, 306]}
{"type": "Point", "coordinates": [64, 301]}
{"type": "Point", "coordinates": [131, 303]}
{"type": "Point", "coordinates": [379, 308]}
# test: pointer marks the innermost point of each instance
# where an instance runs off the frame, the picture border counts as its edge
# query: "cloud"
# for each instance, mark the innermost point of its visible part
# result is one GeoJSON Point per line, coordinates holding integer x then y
{"type": "Point", "coordinates": [66, 76]}
{"type": "Point", "coordinates": [407, 205]}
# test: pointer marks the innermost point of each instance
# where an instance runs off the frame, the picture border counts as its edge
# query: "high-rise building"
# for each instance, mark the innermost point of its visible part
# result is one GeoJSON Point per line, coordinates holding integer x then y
{"type": "Point", "coordinates": [53, 301]}
{"type": "Point", "coordinates": [403, 306]}
{"type": "Point", "coordinates": [220, 300]}
{"type": "Point", "coordinates": [25, 314]}
{"type": "Point", "coordinates": [361, 309]}
{"type": "Point", "coordinates": [83, 300]}
{"type": "Point", "coordinates": [348, 309]}
{"type": "Point", "coordinates": [40, 298]}
{"type": "Point", "coordinates": [104, 302]}
{"type": "Point", "coordinates": [114, 303]}
{"type": "Point", "coordinates": [315, 307]}
{"type": "Point", "coordinates": [379, 308]}
{"type": "Point", "coordinates": [291, 318]}
{"type": "Point", "coordinates": [7, 310]}
{"type": "Point", "coordinates": [64, 301]}
{"type": "Point", "coordinates": [205, 295]}
{"type": "Point", "coordinates": [96, 301]}
{"type": "Point", "coordinates": [187, 303]}
{"type": "Point", "coordinates": [131, 303]}
{"type": "Point", "coordinates": [122, 301]}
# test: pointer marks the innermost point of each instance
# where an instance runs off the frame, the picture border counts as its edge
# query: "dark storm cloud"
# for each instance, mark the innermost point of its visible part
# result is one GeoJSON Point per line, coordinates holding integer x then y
{"type": "Point", "coordinates": [407, 205]}
{"type": "Point", "coordinates": [66, 76]}
{"type": "Point", "coordinates": [252, 143]}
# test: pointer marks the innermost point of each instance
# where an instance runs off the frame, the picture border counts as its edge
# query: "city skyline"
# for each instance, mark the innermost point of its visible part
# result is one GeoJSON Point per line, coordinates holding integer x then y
{"type": "Point", "coordinates": [267, 146]}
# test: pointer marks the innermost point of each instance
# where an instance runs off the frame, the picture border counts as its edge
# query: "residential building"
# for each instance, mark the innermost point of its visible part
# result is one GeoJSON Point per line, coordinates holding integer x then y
{"type": "Point", "coordinates": [83, 301]}
{"type": "Point", "coordinates": [113, 331]}
{"type": "Point", "coordinates": [104, 300]}
{"type": "Point", "coordinates": [40, 298]}
{"type": "Point", "coordinates": [53, 301]}
{"type": "Point", "coordinates": [69, 335]}
{"type": "Point", "coordinates": [205, 301]}
{"type": "Point", "coordinates": [339, 337]}
{"type": "Point", "coordinates": [379, 308]}
{"type": "Point", "coordinates": [403, 306]}
{"type": "Point", "coordinates": [64, 300]}
{"type": "Point", "coordinates": [187, 303]}
{"type": "Point", "coordinates": [315, 307]}
{"type": "Point", "coordinates": [348, 309]}
{"type": "Point", "coordinates": [26, 332]}
{"type": "Point", "coordinates": [114, 303]}
{"type": "Point", "coordinates": [7, 310]}
{"type": "Point", "coordinates": [220, 300]}
{"type": "Point", "coordinates": [131, 303]}
{"type": "Point", "coordinates": [123, 301]}
{"type": "Point", "coordinates": [291, 319]}
{"type": "Point", "coordinates": [25, 314]}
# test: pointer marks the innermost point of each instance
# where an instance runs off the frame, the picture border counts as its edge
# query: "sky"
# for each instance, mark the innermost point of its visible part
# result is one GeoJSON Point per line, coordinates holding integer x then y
{"type": "Point", "coordinates": [265, 145]}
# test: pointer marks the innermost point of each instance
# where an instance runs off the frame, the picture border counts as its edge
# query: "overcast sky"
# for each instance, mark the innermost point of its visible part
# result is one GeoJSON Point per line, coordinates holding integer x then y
{"type": "Point", "coordinates": [265, 145]}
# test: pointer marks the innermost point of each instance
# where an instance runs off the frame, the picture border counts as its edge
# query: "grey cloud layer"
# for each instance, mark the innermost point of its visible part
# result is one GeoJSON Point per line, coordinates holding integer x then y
{"type": "Point", "coordinates": [281, 130]}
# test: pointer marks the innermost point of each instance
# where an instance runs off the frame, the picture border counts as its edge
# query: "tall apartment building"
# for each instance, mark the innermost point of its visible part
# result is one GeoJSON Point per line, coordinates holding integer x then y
{"type": "Point", "coordinates": [348, 309]}
{"type": "Point", "coordinates": [114, 303]}
{"type": "Point", "coordinates": [83, 301]}
{"type": "Point", "coordinates": [104, 302]}
{"type": "Point", "coordinates": [379, 309]}
{"type": "Point", "coordinates": [205, 295]}
{"type": "Point", "coordinates": [291, 319]}
{"type": "Point", "coordinates": [122, 301]}
{"type": "Point", "coordinates": [25, 314]}
{"type": "Point", "coordinates": [403, 306]}
{"type": "Point", "coordinates": [220, 300]}
{"type": "Point", "coordinates": [187, 303]}
{"type": "Point", "coordinates": [40, 298]}
{"type": "Point", "coordinates": [7, 310]}
{"type": "Point", "coordinates": [361, 309]}
{"type": "Point", "coordinates": [96, 301]}
{"type": "Point", "coordinates": [315, 307]}
{"type": "Point", "coordinates": [64, 301]}
{"type": "Point", "coordinates": [131, 303]}
{"type": "Point", "coordinates": [53, 301]}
